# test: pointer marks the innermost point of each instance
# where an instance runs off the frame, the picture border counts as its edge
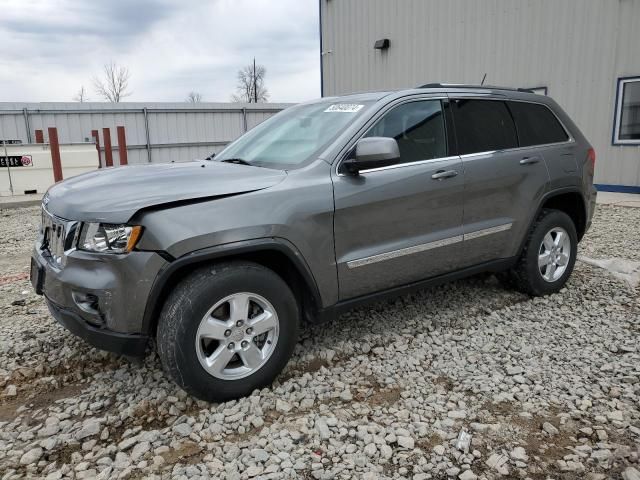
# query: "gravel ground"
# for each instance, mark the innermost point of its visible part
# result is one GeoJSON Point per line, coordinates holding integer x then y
{"type": "Point", "coordinates": [546, 388]}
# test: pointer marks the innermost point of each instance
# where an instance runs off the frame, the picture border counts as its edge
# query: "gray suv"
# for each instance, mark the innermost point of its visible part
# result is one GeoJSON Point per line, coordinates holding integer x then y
{"type": "Point", "coordinates": [325, 206]}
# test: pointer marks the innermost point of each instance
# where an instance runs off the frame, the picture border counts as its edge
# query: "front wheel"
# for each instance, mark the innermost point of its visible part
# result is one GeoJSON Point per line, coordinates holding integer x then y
{"type": "Point", "coordinates": [227, 329]}
{"type": "Point", "coordinates": [549, 255]}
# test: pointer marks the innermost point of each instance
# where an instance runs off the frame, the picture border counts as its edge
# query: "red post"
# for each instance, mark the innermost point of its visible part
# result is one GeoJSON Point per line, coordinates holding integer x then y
{"type": "Point", "coordinates": [108, 155]}
{"type": "Point", "coordinates": [55, 154]}
{"type": "Point", "coordinates": [122, 146]}
{"type": "Point", "coordinates": [39, 136]}
{"type": "Point", "coordinates": [96, 137]}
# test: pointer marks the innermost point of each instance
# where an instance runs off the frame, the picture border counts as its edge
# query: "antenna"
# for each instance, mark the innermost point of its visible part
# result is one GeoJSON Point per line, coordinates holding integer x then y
{"type": "Point", "coordinates": [483, 79]}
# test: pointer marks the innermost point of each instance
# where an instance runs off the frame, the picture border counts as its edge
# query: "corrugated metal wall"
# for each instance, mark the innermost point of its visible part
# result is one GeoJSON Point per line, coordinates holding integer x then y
{"type": "Point", "coordinates": [176, 131]}
{"type": "Point", "coordinates": [576, 48]}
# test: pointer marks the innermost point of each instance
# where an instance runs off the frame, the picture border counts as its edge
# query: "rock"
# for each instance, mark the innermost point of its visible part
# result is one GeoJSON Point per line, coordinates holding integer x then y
{"type": "Point", "coordinates": [370, 450]}
{"type": "Point", "coordinates": [323, 429]}
{"type": "Point", "coordinates": [439, 450]}
{"type": "Point", "coordinates": [406, 442]}
{"type": "Point", "coordinates": [282, 406]}
{"type": "Point", "coordinates": [11, 391]}
{"type": "Point", "coordinates": [260, 455]}
{"type": "Point", "coordinates": [601, 455]}
{"type": "Point", "coordinates": [616, 416]}
{"type": "Point", "coordinates": [630, 473]}
{"type": "Point", "coordinates": [517, 370]}
{"type": "Point", "coordinates": [498, 463]}
{"type": "Point", "coordinates": [89, 429]}
{"type": "Point", "coordinates": [457, 414]}
{"type": "Point", "coordinates": [127, 443]}
{"type": "Point", "coordinates": [32, 456]}
{"type": "Point", "coordinates": [468, 475]}
{"type": "Point", "coordinates": [182, 429]}
{"type": "Point", "coordinates": [139, 450]}
{"type": "Point", "coordinates": [254, 471]}
{"type": "Point", "coordinates": [520, 454]}
{"type": "Point", "coordinates": [386, 452]}
{"type": "Point", "coordinates": [550, 429]}
{"type": "Point", "coordinates": [346, 395]}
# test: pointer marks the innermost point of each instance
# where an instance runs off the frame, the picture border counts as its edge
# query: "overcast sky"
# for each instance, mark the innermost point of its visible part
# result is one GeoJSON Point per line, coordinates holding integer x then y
{"type": "Point", "coordinates": [50, 48]}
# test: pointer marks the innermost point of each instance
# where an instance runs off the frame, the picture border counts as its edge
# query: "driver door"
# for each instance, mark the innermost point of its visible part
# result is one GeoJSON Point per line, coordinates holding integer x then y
{"type": "Point", "coordinates": [402, 223]}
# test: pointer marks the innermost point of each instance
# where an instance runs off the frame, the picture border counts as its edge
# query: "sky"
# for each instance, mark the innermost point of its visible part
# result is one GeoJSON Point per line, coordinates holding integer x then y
{"type": "Point", "coordinates": [50, 48]}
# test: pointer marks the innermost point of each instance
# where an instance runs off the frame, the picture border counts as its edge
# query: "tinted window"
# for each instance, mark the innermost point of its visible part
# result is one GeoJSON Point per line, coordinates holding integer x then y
{"type": "Point", "coordinates": [536, 125]}
{"type": "Point", "coordinates": [418, 127]}
{"type": "Point", "coordinates": [483, 126]}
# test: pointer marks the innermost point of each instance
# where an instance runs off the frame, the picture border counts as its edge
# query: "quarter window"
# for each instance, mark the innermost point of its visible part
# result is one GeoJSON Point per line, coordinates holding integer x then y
{"type": "Point", "coordinates": [418, 127]}
{"type": "Point", "coordinates": [483, 126]}
{"type": "Point", "coordinates": [627, 122]}
{"type": "Point", "coordinates": [536, 124]}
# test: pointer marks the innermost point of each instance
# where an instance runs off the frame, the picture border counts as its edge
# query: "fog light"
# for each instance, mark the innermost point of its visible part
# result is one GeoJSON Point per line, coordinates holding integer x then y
{"type": "Point", "coordinates": [87, 302]}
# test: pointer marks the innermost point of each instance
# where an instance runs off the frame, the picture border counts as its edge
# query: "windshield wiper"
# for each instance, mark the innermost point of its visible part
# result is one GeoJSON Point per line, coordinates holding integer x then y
{"type": "Point", "coordinates": [238, 161]}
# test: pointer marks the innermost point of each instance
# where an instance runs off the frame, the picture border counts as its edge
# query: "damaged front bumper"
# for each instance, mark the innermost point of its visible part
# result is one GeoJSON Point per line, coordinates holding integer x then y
{"type": "Point", "coordinates": [98, 297]}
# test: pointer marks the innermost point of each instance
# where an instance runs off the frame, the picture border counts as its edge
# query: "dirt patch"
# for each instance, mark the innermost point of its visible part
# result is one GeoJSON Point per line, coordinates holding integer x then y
{"type": "Point", "coordinates": [188, 452]}
{"type": "Point", "coordinates": [43, 400]}
{"type": "Point", "coordinates": [16, 277]}
{"type": "Point", "coordinates": [386, 396]}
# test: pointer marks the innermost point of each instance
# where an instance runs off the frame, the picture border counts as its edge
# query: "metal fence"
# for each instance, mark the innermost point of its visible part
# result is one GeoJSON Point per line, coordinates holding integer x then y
{"type": "Point", "coordinates": [155, 132]}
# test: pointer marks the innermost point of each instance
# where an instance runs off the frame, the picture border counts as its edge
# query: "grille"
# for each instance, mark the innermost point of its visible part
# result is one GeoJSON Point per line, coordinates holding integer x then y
{"type": "Point", "coordinates": [57, 237]}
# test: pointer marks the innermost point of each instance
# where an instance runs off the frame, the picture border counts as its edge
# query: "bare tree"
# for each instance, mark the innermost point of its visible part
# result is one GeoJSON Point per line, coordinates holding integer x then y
{"type": "Point", "coordinates": [250, 88]}
{"type": "Point", "coordinates": [194, 97]}
{"type": "Point", "coordinates": [81, 96]}
{"type": "Point", "coordinates": [113, 87]}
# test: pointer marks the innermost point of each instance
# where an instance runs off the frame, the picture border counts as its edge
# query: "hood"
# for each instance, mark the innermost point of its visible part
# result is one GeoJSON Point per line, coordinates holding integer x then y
{"type": "Point", "coordinates": [114, 195]}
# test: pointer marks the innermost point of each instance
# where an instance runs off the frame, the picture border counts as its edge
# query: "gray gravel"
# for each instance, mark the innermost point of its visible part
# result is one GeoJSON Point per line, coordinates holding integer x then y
{"type": "Point", "coordinates": [545, 387]}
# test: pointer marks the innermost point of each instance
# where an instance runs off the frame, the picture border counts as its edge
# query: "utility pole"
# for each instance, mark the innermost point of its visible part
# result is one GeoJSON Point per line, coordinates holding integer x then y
{"type": "Point", "coordinates": [255, 82]}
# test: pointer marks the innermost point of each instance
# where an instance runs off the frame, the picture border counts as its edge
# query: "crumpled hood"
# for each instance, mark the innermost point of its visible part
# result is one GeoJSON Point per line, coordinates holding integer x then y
{"type": "Point", "coordinates": [114, 195]}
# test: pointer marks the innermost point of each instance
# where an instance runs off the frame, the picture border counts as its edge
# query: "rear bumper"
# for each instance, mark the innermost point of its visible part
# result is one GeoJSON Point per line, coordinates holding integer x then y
{"type": "Point", "coordinates": [122, 343]}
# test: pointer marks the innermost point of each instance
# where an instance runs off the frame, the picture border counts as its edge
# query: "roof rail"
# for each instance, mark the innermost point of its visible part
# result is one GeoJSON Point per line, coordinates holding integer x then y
{"type": "Point", "coordinates": [483, 87]}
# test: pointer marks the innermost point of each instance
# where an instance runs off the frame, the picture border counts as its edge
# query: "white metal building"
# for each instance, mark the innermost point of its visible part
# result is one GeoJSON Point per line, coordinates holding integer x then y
{"type": "Point", "coordinates": [155, 132]}
{"type": "Point", "coordinates": [584, 53]}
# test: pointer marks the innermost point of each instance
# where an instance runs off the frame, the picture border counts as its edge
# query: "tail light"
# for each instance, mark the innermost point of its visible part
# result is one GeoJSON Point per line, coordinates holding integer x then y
{"type": "Point", "coordinates": [591, 157]}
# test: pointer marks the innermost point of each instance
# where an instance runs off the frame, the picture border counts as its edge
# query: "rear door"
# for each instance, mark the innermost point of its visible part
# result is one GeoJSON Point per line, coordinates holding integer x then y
{"type": "Point", "coordinates": [503, 183]}
{"type": "Point", "coordinates": [403, 223]}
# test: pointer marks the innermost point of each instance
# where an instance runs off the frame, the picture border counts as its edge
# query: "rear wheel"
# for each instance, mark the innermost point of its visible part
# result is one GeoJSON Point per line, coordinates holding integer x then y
{"type": "Point", "coordinates": [548, 257]}
{"type": "Point", "coordinates": [227, 329]}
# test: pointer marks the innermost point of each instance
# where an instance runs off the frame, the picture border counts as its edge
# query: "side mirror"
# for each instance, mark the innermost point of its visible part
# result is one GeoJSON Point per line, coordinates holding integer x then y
{"type": "Point", "coordinates": [373, 152]}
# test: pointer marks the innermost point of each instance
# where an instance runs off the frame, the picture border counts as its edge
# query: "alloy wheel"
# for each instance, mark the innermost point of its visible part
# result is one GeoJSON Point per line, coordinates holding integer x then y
{"type": "Point", "coordinates": [237, 336]}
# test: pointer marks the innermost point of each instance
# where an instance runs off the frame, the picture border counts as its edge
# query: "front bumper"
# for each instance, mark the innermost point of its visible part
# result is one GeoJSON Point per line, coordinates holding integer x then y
{"type": "Point", "coordinates": [104, 339]}
{"type": "Point", "coordinates": [98, 297]}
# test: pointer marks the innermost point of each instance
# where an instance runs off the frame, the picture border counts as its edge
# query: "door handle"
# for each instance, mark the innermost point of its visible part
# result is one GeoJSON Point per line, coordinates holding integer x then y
{"type": "Point", "coordinates": [442, 174]}
{"type": "Point", "coordinates": [529, 160]}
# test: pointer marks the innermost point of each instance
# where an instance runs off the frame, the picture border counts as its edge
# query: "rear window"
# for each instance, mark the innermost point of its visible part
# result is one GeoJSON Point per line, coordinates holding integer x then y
{"type": "Point", "coordinates": [536, 124]}
{"type": "Point", "coordinates": [483, 126]}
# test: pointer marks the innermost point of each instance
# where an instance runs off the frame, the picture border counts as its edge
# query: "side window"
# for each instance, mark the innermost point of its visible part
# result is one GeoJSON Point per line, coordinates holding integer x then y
{"type": "Point", "coordinates": [483, 126]}
{"type": "Point", "coordinates": [536, 124]}
{"type": "Point", "coordinates": [418, 127]}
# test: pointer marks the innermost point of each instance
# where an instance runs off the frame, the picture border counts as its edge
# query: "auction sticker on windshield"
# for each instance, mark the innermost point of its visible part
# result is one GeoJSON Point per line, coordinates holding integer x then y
{"type": "Point", "coordinates": [345, 107]}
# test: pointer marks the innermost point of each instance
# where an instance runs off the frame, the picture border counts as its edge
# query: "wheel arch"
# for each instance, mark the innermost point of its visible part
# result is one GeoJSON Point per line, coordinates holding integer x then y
{"type": "Point", "coordinates": [276, 254]}
{"type": "Point", "coordinates": [569, 201]}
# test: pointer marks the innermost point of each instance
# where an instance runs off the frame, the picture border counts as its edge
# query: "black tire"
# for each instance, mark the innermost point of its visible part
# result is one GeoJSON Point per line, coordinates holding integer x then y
{"type": "Point", "coordinates": [185, 308]}
{"type": "Point", "coordinates": [525, 276]}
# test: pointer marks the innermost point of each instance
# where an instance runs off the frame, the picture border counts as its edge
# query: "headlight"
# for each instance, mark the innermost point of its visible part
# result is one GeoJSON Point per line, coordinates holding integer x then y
{"type": "Point", "coordinates": [105, 238]}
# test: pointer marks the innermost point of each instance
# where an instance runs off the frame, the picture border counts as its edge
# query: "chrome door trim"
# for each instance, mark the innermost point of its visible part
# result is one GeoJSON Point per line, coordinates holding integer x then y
{"type": "Point", "coordinates": [423, 247]}
{"type": "Point", "coordinates": [487, 231]}
{"type": "Point", "coordinates": [404, 251]}
{"type": "Point", "coordinates": [401, 165]}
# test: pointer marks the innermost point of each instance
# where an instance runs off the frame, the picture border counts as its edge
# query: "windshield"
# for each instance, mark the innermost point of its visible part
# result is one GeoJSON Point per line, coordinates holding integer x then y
{"type": "Point", "coordinates": [291, 138]}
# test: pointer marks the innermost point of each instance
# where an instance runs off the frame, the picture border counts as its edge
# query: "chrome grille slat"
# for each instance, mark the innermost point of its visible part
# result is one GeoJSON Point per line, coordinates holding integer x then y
{"type": "Point", "coordinates": [56, 237]}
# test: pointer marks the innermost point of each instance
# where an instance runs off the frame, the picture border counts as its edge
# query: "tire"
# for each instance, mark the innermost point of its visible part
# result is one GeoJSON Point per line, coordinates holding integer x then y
{"type": "Point", "coordinates": [187, 315]}
{"type": "Point", "coordinates": [527, 276]}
